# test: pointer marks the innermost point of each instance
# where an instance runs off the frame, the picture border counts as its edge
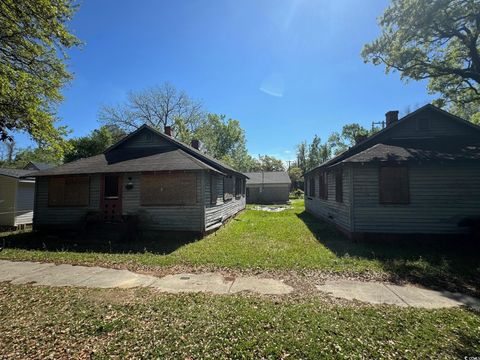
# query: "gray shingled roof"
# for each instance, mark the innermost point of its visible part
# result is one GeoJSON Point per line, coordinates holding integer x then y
{"type": "Point", "coordinates": [210, 160]}
{"type": "Point", "coordinates": [268, 177]}
{"type": "Point", "coordinates": [41, 165]}
{"type": "Point", "coordinates": [168, 160]}
{"type": "Point", "coordinates": [366, 145]}
{"type": "Point", "coordinates": [178, 156]}
{"type": "Point", "coordinates": [450, 148]}
{"type": "Point", "coordinates": [14, 173]}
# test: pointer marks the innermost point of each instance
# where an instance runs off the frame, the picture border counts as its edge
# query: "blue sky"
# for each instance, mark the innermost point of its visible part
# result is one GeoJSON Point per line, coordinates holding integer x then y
{"type": "Point", "coordinates": [287, 69]}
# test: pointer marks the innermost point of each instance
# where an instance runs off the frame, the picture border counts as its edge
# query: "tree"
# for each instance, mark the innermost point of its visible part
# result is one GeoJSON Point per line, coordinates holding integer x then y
{"type": "Point", "coordinates": [318, 153]}
{"type": "Point", "coordinates": [158, 107]}
{"type": "Point", "coordinates": [351, 135]}
{"type": "Point", "coordinates": [436, 40]}
{"type": "Point", "coordinates": [33, 43]}
{"type": "Point", "coordinates": [38, 154]}
{"type": "Point", "coordinates": [269, 163]}
{"type": "Point", "coordinates": [94, 143]}
{"type": "Point", "coordinates": [7, 152]}
{"type": "Point", "coordinates": [296, 176]}
{"type": "Point", "coordinates": [302, 155]}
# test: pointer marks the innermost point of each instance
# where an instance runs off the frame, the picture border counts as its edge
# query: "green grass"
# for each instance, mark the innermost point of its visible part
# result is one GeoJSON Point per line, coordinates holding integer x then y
{"type": "Point", "coordinates": [40, 322]}
{"type": "Point", "coordinates": [261, 240]}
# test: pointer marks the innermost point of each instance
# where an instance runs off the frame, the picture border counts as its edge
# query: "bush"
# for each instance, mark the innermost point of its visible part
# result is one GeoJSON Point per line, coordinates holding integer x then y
{"type": "Point", "coordinates": [296, 194]}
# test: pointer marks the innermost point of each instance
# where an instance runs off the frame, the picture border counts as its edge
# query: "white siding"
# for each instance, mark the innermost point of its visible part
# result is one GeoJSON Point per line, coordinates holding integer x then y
{"type": "Point", "coordinates": [7, 200]}
{"type": "Point", "coordinates": [24, 202]}
{"type": "Point", "coordinates": [440, 196]}
{"type": "Point", "coordinates": [330, 209]}
{"type": "Point", "coordinates": [45, 215]}
{"type": "Point", "coordinates": [182, 218]}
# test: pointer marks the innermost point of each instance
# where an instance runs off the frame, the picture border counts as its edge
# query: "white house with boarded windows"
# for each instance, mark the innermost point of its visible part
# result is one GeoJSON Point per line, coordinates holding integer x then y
{"type": "Point", "coordinates": [165, 184]}
{"type": "Point", "coordinates": [420, 175]}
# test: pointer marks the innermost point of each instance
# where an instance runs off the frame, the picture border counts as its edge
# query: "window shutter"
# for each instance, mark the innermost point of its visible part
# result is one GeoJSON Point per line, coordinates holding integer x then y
{"type": "Point", "coordinates": [394, 185]}
{"type": "Point", "coordinates": [339, 186]}
{"type": "Point", "coordinates": [312, 186]}
{"type": "Point", "coordinates": [228, 188]}
{"type": "Point", "coordinates": [213, 189]}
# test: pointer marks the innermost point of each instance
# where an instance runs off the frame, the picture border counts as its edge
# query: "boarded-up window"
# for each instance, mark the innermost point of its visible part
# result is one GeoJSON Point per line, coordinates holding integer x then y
{"type": "Point", "coordinates": [69, 191]}
{"type": "Point", "coordinates": [168, 189]}
{"type": "Point", "coordinates": [394, 185]}
{"type": "Point", "coordinates": [213, 189]}
{"type": "Point", "coordinates": [323, 186]}
{"type": "Point", "coordinates": [228, 188]}
{"type": "Point", "coordinates": [339, 186]}
{"type": "Point", "coordinates": [238, 186]}
{"type": "Point", "coordinates": [312, 187]}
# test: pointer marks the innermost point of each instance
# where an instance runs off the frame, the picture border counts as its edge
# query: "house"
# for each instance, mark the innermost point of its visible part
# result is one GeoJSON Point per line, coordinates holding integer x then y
{"type": "Point", "coordinates": [268, 187]}
{"type": "Point", "coordinates": [147, 176]}
{"type": "Point", "coordinates": [419, 175]}
{"type": "Point", "coordinates": [17, 194]}
{"type": "Point", "coordinates": [16, 197]}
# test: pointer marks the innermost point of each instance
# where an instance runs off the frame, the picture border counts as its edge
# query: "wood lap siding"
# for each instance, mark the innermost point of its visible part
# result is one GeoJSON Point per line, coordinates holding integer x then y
{"type": "Point", "coordinates": [440, 196]}
{"type": "Point", "coordinates": [329, 208]}
{"type": "Point", "coordinates": [168, 189]}
{"type": "Point", "coordinates": [218, 210]}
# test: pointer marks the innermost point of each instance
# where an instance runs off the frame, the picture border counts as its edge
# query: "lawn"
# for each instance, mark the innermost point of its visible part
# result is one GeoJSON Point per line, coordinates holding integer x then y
{"type": "Point", "coordinates": [41, 322]}
{"type": "Point", "coordinates": [282, 241]}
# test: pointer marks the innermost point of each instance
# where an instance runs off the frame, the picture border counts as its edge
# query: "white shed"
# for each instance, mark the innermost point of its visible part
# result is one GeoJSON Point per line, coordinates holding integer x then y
{"type": "Point", "coordinates": [16, 197]}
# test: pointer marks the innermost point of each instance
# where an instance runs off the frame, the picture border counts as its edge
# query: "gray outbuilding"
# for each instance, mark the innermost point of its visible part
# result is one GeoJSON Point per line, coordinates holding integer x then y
{"type": "Point", "coordinates": [268, 187]}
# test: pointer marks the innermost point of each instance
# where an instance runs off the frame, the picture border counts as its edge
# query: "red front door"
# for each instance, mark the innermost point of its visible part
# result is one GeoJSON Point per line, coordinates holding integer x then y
{"type": "Point", "coordinates": [111, 198]}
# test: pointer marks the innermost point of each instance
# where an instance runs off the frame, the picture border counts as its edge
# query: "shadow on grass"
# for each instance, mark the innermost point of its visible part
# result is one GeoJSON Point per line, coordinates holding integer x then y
{"type": "Point", "coordinates": [451, 266]}
{"type": "Point", "coordinates": [161, 243]}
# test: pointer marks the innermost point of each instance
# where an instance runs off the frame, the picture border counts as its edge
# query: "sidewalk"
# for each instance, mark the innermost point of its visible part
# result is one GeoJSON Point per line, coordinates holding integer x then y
{"type": "Point", "coordinates": [96, 277]}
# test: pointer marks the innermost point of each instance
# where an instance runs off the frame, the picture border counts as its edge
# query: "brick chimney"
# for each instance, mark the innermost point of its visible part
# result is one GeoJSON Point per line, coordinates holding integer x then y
{"type": "Point", "coordinates": [168, 131]}
{"type": "Point", "coordinates": [391, 117]}
{"type": "Point", "coordinates": [196, 144]}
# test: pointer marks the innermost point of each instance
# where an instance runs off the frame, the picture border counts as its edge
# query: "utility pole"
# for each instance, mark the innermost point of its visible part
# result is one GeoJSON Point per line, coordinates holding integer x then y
{"type": "Point", "coordinates": [382, 123]}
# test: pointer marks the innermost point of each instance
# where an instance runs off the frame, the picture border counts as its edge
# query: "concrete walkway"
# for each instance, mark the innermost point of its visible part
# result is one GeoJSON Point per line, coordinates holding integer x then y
{"type": "Point", "coordinates": [97, 277]}
{"type": "Point", "coordinates": [405, 295]}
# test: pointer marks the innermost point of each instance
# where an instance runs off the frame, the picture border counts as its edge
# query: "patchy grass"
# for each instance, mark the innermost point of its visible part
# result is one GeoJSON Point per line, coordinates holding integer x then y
{"type": "Point", "coordinates": [40, 322]}
{"type": "Point", "coordinates": [286, 240]}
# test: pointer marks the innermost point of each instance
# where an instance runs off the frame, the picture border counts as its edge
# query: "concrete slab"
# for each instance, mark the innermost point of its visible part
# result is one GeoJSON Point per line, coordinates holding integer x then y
{"type": "Point", "coordinates": [260, 285]}
{"type": "Point", "coordinates": [206, 282]}
{"type": "Point", "coordinates": [110, 278]}
{"type": "Point", "coordinates": [66, 275]}
{"type": "Point", "coordinates": [406, 295]}
{"type": "Point", "coordinates": [13, 271]}
{"type": "Point", "coordinates": [370, 292]}
{"type": "Point", "coordinates": [431, 299]}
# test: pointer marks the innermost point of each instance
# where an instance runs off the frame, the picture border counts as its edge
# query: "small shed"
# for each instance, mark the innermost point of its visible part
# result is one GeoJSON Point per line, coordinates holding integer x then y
{"type": "Point", "coordinates": [268, 187]}
{"type": "Point", "coordinates": [16, 197]}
